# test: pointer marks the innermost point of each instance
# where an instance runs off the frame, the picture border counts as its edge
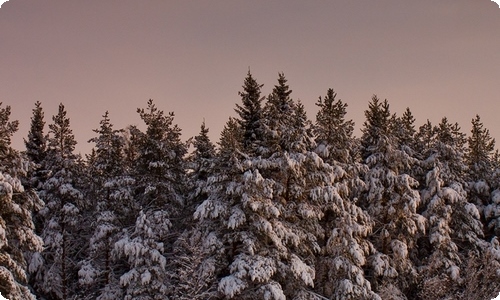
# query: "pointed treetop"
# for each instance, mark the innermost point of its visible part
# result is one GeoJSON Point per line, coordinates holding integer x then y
{"type": "Point", "coordinates": [250, 112]}
{"type": "Point", "coordinates": [204, 148]}
{"type": "Point", "coordinates": [62, 140]}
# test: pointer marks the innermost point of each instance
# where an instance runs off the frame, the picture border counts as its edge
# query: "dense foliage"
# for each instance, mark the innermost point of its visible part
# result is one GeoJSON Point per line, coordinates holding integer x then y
{"type": "Point", "coordinates": [281, 207]}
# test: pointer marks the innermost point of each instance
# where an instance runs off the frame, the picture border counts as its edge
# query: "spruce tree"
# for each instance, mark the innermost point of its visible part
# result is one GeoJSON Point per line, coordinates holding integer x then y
{"type": "Point", "coordinates": [334, 134]}
{"type": "Point", "coordinates": [112, 197]}
{"type": "Point", "coordinates": [479, 157]}
{"type": "Point", "coordinates": [17, 236]}
{"type": "Point", "coordinates": [480, 151]}
{"type": "Point", "coordinates": [261, 217]}
{"type": "Point", "coordinates": [392, 201]}
{"type": "Point", "coordinates": [56, 269]}
{"type": "Point", "coordinates": [36, 147]}
{"type": "Point", "coordinates": [455, 230]}
{"type": "Point", "coordinates": [159, 173]}
{"type": "Point", "coordinates": [250, 112]}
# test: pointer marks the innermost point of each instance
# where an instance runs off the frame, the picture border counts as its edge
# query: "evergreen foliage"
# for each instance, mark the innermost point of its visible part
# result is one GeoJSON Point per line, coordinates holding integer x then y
{"type": "Point", "coordinates": [279, 208]}
{"type": "Point", "coordinates": [17, 236]}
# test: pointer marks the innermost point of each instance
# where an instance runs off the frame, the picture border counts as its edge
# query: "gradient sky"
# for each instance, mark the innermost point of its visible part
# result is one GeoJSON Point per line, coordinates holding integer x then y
{"type": "Point", "coordinates": [438, 57]}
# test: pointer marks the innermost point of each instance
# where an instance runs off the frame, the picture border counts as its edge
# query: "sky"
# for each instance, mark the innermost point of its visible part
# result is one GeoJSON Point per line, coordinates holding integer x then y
{"type": "Point", "coordinates": [437, 57]}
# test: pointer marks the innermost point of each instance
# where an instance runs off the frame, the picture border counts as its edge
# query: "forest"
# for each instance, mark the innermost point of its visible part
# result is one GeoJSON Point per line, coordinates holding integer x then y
{"type": "Point", "coordinates": [280, 207]}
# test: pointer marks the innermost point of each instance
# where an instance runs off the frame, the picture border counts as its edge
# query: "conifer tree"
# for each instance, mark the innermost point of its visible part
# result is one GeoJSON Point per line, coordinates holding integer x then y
{"type": "Point", "coordinates": [480, 150]}
{"type": "Point", "coordinates": [455, 231]}
{"type": "Point", "coordinates": [17, 236]}
{"type": "Point", "coordinates": [376, 127]}
{"type": "Point", "coordinates": [250, 112]}
{"type": "Point", "coordinates": [113, 211]}
{"type": "Point", "coordinates": [262, 215]}
{"type": "Point", "coordinates": [479, 157]}
{"type": "Point", "coordinates": [159, 176]}
{"type": "Point", "coordinates": [403, 128]}
{"type": "Point", "coordinates": [334, 134]}
{"type": "Point", "coordinates": [204, 153]}
{"type": "Point", "coordinates": [194, 278]}
{"type": "Point", "coordinates": [392, 201]}
{"type": "Point", "coordinates": [36, 147]}
{"type": "Point", "coordinates": [56, 270]}
{"type": "Point", "coordinates": [340, 273]}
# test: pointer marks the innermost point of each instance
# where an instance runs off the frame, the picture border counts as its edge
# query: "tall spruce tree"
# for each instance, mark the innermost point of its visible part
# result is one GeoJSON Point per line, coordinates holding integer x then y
{"type": "Point", "coordinates": [455, 231]}
{"type": "Point", "coordinates": [17, 236]}
{"type": "Point", "coordinates": [392, 201]}
{"type": "Point", "coordinates": [194, 277]}
{"type": "Point", "coordinates": [160, 172]}
{"type": "Point", "coordinates": [479, 158]}
{"type": "Point", "coordinates": [262, 213]}
{"type": "Point", "coordinates": [56, 269]}
{"type": "Point", "coordinates": [114, 210]}
{"type": "Point", "coordinates": [340, 273]}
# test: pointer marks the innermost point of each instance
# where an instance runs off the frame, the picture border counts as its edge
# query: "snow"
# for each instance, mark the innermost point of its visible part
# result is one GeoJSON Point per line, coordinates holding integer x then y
{"type": "Point", "coordinates": [2, 298]}
{"type": "Point", "coordinates": [236, 219]}
{"type": "Point", "coordinates": [472, 210]}
{"type": "Point", "coordinates": [302, 271]}
{"type": "Point", "coordinates": [231, 286]}
{"type": "Point", "coordinates": [273, 291]}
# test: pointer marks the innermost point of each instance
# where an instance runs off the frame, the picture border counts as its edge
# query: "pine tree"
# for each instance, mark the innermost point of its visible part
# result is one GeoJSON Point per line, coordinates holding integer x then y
{"type": "Point", "coordinates": [159, 176]}
{"type": "Point", "coordinates": [279, 116]}
{"type": "Point", "coordinates": [403, 128]}
{"type": "Point", "coordinates": [204, 153]}
{"type": "Point", "coordinates": [376, 127]}
{"type": "Point", "coordinates": [112, 195]}
{"type": "Point", "coordinates": [56, 270]}
{"type": "Point", "coordinates": [455, 231]}
{"type": "Point", "coordinates": [340, 273]}
{"type": "Point", "coordinates": [261, 217]}
{"type": "Point", "coordinates": [250, 112]}
{"type": "Point", "coordinates": [480, 151]}
{"type": "Point", "coordinates": [36, 147]}
{"type": "Point", "coordinates": [392, 201]}
{"type": "Point", "coordinates": [334, 134]}
{"type": "Point", "coordinates": [17, 236]}
{"type": "Point", "coordinates": [479, 157]}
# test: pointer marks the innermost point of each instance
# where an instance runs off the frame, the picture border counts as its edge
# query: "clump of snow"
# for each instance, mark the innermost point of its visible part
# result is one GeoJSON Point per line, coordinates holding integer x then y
{"type": "Point", "coordinates": [302, 270]}
{"type": "Point", "coordinates": [273, 291]}
{"type": "Point", "coordinates": [231, 286]}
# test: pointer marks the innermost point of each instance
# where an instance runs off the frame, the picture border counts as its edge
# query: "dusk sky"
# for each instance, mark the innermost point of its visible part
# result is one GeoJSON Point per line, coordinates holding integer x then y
{"type": "Point", "coordinates": [438, 57]}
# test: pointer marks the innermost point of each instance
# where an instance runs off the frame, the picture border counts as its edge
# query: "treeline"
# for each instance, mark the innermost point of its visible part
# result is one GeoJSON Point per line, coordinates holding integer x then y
{"type": "Point", "coordinates": [281, 207]}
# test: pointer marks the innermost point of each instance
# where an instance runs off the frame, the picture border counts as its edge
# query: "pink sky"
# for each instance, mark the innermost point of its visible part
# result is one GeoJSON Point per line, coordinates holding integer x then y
{"type": "Point", "coordinates": [440, 58]}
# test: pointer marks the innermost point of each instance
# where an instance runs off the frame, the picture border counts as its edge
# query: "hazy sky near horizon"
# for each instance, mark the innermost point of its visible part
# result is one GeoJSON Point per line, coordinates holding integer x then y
{"type": "Point", "coordinates": [440, 58]}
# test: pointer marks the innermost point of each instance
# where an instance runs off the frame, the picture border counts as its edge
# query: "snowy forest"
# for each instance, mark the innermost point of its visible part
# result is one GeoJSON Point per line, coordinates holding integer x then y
{"type": "Point", "coordinates": [280, 207]}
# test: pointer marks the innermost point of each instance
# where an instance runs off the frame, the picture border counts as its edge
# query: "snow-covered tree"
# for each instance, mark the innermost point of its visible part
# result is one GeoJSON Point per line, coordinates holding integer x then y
{"type": "Point", "coordinates": [56, 269]}
{"type": "Point", "coordinates": [455, 230]}
{"type": "Point", "coordinates": [392, 201]}
{"type": "Point", "coordinates": [480, 151]}
{"type": "Point", "coordinates": [340, 273]}
{"type": "Point", "coordinates": [482, 179]}
{"type": "Point", "coordinates": [112, 196]}
{"type": "Point", "coordinates": [261, 217]}
{"type": "Point", "coordinates": [201, 160]}
{"type": "Point", "coordinates": [36, 147]}
{"type": "Point", "coordinates": [17, 236]}
{"type": "Point", "coordinates": [159, 174]}
{"type": "Point", "coordinates": [334, 134]}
